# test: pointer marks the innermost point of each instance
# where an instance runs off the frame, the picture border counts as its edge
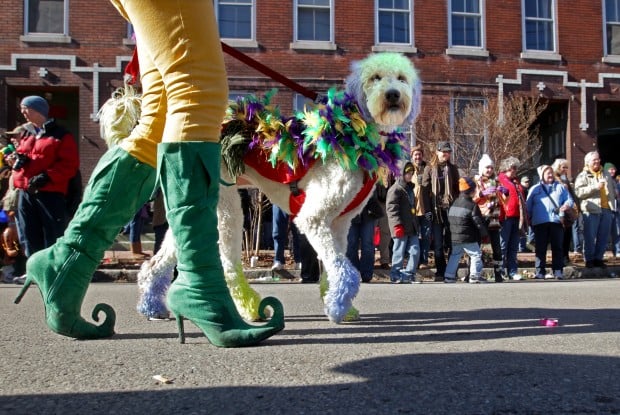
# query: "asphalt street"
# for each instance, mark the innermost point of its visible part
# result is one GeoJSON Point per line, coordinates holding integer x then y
{"type": "Point", "coordinates": [419, 349]}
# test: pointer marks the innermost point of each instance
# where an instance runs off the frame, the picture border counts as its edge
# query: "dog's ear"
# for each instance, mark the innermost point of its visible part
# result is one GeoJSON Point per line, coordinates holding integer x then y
{"type": "Point", "coordinates": [355, 87]}
{"type": "Point", "coordinates": [416, 98]}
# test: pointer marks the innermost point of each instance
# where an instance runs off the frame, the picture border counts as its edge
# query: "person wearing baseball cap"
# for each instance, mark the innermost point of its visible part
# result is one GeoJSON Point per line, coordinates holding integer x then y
{"type": "Point", "coordinates": [439, 189]}
{"type": "Point", "coordinates": [45, 160]}
{"type": "Point", "coordinates": [467, 229]}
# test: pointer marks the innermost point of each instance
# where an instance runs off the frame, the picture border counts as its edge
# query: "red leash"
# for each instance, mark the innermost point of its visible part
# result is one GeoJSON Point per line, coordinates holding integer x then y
{"type": "Point", "coordinates": [276, 76]}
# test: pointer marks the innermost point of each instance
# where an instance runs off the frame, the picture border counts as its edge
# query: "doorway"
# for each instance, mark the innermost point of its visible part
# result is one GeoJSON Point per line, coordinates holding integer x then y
{"type": "Point", "coordinates": [608, 135]}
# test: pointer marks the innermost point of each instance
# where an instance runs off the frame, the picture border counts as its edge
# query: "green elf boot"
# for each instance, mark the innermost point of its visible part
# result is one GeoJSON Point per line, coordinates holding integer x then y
{"type": "Point", "coordinates": [118, 187]}
{"type": "Point", "coordinates": [189, 173]}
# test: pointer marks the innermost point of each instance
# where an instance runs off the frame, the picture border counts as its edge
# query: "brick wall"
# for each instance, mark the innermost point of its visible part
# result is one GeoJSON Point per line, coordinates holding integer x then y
{"type": "Point", "coordinates": [98, 33]}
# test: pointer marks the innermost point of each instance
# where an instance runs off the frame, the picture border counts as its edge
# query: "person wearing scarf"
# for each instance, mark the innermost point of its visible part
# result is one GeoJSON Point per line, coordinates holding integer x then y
{"type": "Point", "coordinates": [440, 187]}
{"type": "Point", "coordinates": [597, 192]}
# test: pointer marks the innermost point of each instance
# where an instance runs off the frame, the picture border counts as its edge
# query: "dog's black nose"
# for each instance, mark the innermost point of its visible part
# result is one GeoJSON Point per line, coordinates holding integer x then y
{"type": "Point", "coordinates": [392, 96]}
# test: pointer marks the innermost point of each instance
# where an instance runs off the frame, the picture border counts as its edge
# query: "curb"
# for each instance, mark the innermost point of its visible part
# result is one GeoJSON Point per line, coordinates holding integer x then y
{"type": "Point", "coordinates": [261, 275]}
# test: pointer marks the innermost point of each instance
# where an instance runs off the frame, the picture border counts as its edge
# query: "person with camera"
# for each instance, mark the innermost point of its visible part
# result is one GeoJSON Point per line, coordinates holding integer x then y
{"type": "Point", "coordinates": [43, 163]}
{"type": "Point", "coordinates": [547, 202]}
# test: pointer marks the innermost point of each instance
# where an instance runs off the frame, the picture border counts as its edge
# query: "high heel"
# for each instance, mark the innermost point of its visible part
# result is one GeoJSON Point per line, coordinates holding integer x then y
{"type": "Point", "coordinates": [189, 176]}
{"type": "Point", "coordinates": [63, 271]}
{"type": "Point", "coordinates": [180, 328]}
{"type": "Point", "coordinates": [63, 290]}
{"type": "Point", "coordinates": [22, 292]}
{"type": "Point", "coordinates": [223, 327]}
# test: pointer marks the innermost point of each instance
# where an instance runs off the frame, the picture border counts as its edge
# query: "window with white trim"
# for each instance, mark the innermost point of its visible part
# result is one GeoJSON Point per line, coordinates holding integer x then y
{"type": "Point", "coordinates": [46, 17]}
{"type": "Point", "coordinates": [394, 22]}
{"type": "Point", "coordinates": [314, 20]}
{"type": "Point", "coordinates": [611, 13]}
{"type": "Point", "coordinates": [539, 27]}
{"type": "Point", "coordinates": [466, 23]}
{"type": "Point", "coordinates": [236, 18]}
{"type": "Point", "coordinates": [469, 132]}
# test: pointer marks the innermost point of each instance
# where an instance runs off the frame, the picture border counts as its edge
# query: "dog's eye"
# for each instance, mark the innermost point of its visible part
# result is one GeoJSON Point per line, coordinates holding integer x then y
{"type": "Point", "coordinates": [376, 77]}
{"type": "Point", "coordinates": [402, 78]}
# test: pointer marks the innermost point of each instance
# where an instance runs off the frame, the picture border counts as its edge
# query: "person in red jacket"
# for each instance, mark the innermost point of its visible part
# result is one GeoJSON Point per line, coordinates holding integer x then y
{"type": "Point", "coordinates": [44, 162]}
{"type": "Point", "coordinates": [513, 216]}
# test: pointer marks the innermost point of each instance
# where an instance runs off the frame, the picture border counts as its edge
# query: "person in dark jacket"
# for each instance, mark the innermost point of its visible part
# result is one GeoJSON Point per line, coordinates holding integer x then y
{"type": "Point", "coordinates": [439, 189]}
{"type": "Point", "coordinates": [467, 229]}
{"type": "Point", "coordinates": [400, 208]}
{"type": "Point", "coordinates": [417, 158]}
{"type": "Point", "coordinates": [361, 235]}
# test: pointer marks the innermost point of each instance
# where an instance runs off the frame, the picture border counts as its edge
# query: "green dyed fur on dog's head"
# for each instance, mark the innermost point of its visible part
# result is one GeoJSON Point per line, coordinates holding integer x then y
{"type": "Point", "coordinates": [387, 88]}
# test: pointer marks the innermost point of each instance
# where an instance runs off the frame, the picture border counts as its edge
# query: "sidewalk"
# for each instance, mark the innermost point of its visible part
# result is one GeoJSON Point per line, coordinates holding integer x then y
{"type": "Point", "coordinates": [120, 265]}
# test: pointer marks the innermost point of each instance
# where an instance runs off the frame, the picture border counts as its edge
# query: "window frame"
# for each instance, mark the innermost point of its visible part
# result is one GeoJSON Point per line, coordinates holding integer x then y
{"type": "Point", "coordinates": [458, 105]}
{"type": "Point", "coordinates": [539, 54]}
{"type": "Point", "coordinates": [408, 46]}
{"type": "Point", "coordinates": [607, 56]}
{"type": "Point", "coordinates": [313, 44]}
{"type": "Point", "coordinates": [63, 37]}
{"type": "Point", "coordinates": [240, 42]}
{"type": "Point", "coordinates": [465, 50]}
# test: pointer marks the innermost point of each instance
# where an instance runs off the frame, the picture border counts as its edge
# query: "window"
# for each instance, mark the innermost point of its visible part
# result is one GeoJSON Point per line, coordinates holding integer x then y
{"type": "Point", "coordinates": [539, 25]}
{"type": "Point", "coordinates": [394, 21]}
{"type": "Point", "coordinates": [300, 101]}
{"type": "Point", "coordinates": [46, 17]}
{"type": "Point", "coordinates": [235, 19]}
{"type": "Point", "coordinates": [469, 131]}
{"type": "Point", "coordinates": [130, 39]}
{"type": "Point", "coordinates": [466, 23]}
{"type": "Point", "coordinates": [314, 22]}
{"type": "Point", "coordinates": [612, 27]}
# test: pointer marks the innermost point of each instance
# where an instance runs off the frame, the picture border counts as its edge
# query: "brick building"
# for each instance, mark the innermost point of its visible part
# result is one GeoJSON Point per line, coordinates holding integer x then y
{"type": "Point", "coordinates": [568, 52]}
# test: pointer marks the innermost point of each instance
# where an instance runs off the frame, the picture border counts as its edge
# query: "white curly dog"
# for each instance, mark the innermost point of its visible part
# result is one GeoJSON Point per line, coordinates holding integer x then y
{"type": "Point", "coordinates": [386, 90]}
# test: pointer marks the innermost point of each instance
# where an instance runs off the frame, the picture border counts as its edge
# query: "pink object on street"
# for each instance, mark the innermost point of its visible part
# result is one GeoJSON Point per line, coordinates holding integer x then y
{"type": "Point", "coordinates": [549, 322]}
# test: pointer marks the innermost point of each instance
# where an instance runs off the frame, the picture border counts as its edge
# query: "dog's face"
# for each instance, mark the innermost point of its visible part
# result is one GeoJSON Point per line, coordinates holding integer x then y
{"type": "Point", "coordinates": [387, 88]}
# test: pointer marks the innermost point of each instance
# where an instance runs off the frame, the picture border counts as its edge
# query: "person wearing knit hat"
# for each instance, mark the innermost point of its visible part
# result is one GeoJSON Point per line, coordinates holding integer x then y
{"type": "Point", "coordinates": [45, 160]}
{"type": "Point", "coordinates": [615, 223]}
{"type": "Point", "coordinates": [484, 163]}
{"type": "Point", "coordinates": [547, 202]}
{"type": "Point", "coordinates": [610, 168]}
{"type": "Point", "coordinates": [487, 197]}
{"type": "Point", "coordinates": [36, 103]}
{"type": "Point", "coordinates": [467, 229]}
{"type": "Point", "coordinates": [466, 185]}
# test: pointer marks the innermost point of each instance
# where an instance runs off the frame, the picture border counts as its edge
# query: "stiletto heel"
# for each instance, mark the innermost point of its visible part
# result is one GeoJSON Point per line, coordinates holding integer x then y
{"type": "Point", "coordinates": [22, 292]}
{"type": "Point", "coordinates": [189, 174]}
{"type": "Point", "coordinates": [181, 329]}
